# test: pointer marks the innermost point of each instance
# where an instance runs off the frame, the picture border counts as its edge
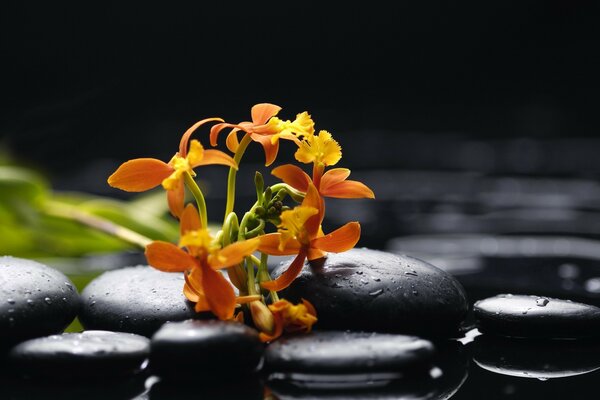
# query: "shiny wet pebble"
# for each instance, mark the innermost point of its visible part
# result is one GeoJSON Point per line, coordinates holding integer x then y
{"type": "Point", "coordinates": [86, 355]}
{"type": "Point", "coordinates": [136, 299]}
{"type": "Point", "coordinates": [336, 352]}
{"type": "Point", "coordinates": [35, 300]}
{"type": "Point", "coordinates": [377, 291]}
{"type": "Point", "coordinates": [529, 316]}
{"type": "Point", "coordinates": [196, 349]}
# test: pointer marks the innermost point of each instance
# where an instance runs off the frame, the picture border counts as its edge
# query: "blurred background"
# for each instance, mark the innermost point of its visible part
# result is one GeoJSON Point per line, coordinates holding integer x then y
{"type": "Point", "coordinates": [475, 123]}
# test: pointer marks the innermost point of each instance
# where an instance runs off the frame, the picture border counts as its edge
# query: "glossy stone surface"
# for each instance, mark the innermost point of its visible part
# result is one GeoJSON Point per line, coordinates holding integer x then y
{"type": "Point", "coordinates": [136, 299]}
{"type": "Point", "coordinates": [338, 352]}
{"type": "Point", "coordinates": [186, 349]}
{"type": "Point", "coordinates": [377, 291]}
{"type": "Point", "coordinates": [540, 359]}
{"type": "Point", "coordinates": [35, 300]}
{"type": "Point", "coordinates": [87, 355]}
{"type": "Point", "coordinates": [531, 316]}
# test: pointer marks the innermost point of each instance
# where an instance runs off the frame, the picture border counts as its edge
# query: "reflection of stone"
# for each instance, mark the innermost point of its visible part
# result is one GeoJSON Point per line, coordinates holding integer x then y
{"type": "Point", "coordinates": [376, 291]}
{"type": "Point", "coordinates": [441, 380]}
{"type": "Point", "coordinates": [95, 389]}
{"type": "Point", "coordinates": [536, 359]}
{"type": "Point", "coordinates": [228, 386]}
{"type": "Point", "coordinates": [536, 317]}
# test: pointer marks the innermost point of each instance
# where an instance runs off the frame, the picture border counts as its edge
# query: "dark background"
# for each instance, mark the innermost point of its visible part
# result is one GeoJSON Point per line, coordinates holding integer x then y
{"type": "Point", "coordinates": [503, 87]}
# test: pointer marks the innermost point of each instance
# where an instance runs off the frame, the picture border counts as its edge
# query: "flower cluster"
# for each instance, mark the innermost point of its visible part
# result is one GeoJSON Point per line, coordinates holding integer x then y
{"type": "Point", "coordinates": [226, 271]}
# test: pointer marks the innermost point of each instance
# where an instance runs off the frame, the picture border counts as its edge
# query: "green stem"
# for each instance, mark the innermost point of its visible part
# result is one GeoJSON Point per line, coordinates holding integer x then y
{"type": "Point", "coordinates": [65, 211]}
{"type": "Point", "coordinates": [197, 193]}
{"type": "Point", "coordinates": [229, 227]}
{"type": "Point", "coordinates": [264, 276]}
{"type": "Point", "coordinates": [233, 172]}
{"type": "Point", "coordinates": [251, 280]}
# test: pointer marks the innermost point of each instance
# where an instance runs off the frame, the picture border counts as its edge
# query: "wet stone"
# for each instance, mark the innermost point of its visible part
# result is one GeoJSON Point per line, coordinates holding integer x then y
{"type": "Point", "coordinates": [136, 299]}
{"type": "Point", "coordinates": [377, 291]}
{"type": "Point", "coordinates": [528, 316]}
{"type": "Point", "coordinates": [200, 349]}
{"type": "Point", "coordinates": [336, 352]}
{"type": "Point", "coordinates": [35, 300]}
{"type": "Point", "coordinates": [87, 355]}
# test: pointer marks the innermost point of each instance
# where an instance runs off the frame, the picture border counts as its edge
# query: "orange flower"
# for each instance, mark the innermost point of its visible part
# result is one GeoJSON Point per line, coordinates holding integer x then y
{"type": "Point", "coordinates": [143, 174]}
{"type": "Point", "coordinates": [300, 233]}
{"type": "Point", "coordinates": [333, 183]}
{"type": "Point", "coordinates": [200, 262]}
{"type": "Point", "coordinates": [290, 318]}
{"type": "Point", "coordinates": [265, 129]}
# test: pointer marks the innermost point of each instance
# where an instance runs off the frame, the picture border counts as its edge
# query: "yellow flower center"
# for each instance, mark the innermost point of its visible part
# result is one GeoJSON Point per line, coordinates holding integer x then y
{"type": "Point", "coordinates": [199, 243]}
{"type": "Point", "coordinates": [292, 225]}
{"type": "Point", "coordinates": [182, 165]}
{"type": "Point", "coordinates": [296, 317]}
{"type": "Point", "coordinates": [302, 126]}
{"type": "Point", "coordinates": [319, 149]}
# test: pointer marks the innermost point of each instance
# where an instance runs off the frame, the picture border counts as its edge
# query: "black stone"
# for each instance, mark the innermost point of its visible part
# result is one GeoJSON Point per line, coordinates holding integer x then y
{"type": "Point", "coordinates": [35, 300]}
{"type": "Point", "coordinates": [540, 359]}
{"type": "Point", "coordinates": [377, 291]}
{"type": "Point", "coordinates": [336, 352]}
{"type": "Point", "coordinates": [205, 348]}
{"type": "Point", "coordinates": [136, 299]}
{"type": "Point", "coordinates": [86, 355]}
{"type": "Point", "coordinates": [229, 387]}
{"type": "Point", "coordinates": [536, 317]}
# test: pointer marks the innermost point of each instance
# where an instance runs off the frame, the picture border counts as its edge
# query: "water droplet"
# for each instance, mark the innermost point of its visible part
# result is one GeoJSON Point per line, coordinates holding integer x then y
{"type": "Point", "coordinates": [48, 300]}
{"type": "Point", "coordinates": [93, 303]}
{"type": "Point", "coordinates": [376, 279]}
{"type": "Point", "coordinates": [415, 292]}
{"type": "Point", "coordinates": [10, 301]}
{"type": "Point", "coordinates": [541, 302]}
{"type": "Point", "coordinates": [11, 310]}
{"type": "Point", "coordinates": [526, 311]}
{"type": "Point", "coordinates": [542, 379]}
{"type": "Point", "coordinates": [376, 293]}
{"type": "Point", "coordinates": [412, 273]}
{"type": "Point", "coordinates": [30, 302]}
{"type": "Point", "coordinates": [11, 322]}
{"type": "Point", "coordinates": [64, 299]}
{"type": "Point", "coordinates": [336, 285]}
{"type": "Point", "coordinates": [364, 281]}
{"type": "Point", "coordinates": [359, 272]}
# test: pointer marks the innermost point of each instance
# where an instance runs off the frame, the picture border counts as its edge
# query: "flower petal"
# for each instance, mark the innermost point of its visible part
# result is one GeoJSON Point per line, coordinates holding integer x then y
{"type": "Point", "coordinates": [232, 141]}
{"type": "Point", "coordinates": [192, 289]}
{"type": "Point", "coordinates": [315, 254]}
{"type": "Point", "coordinates": [269, 244]}
{"type": "Point", "coordinates": [183, 143]}
{"type": "Point", "coordinates": [347, 190]}
{"type": "Point", "coordinates": [168, 257]}
{"type": "Point", "coordinates": [140, 174]}
{"type": "Point", "coordinates": [190, 220]}
{"type": "Point", "coordinates": [262, 112]}
{"type": "Point", "coordinates": [233, 254]}
{"type": "Point", "coordinates": [333, 176]}
{"type": "Point", "coordinates": [219, 293]}
{"type": "Point", "coordinates": [176, 200]}
{"type": "Point", "coordinates": [216, 129]}
{"type": "Point", "coordinates": [284, 280]}
{"type": "Point", "coordinates": [271, 149]}
{"type": "Point", "coordinates": [340, 240]}
{"type": "Point", "coordinates": [216, 157]}
{"type": "Point", "coordinates": [293, 176]}
{"type": "Point", "coordinates": [313, 199]}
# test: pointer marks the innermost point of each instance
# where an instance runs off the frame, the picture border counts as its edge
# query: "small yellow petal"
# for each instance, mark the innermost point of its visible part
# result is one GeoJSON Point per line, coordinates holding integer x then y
{"type": "Point", "coordinates": [196, 152]}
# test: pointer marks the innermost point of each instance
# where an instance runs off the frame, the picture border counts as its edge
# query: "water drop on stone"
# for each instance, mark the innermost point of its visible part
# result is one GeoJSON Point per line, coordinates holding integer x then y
{"type": "Point", "coordinates": [376, 279]}
{"type": "Point", "coordinates": [11, 322]}
{"type": "Point", "coordinates": [47, 300]}
{"type": "Point", "coordinates": [10, 301]}
{"type": "Point", "coordinates": [415, 292]}
{"type": "Point", "coordinates": [541, 302]}
{"type": "Point", "coordinates": [30, 302]}
{"type": "Point", "coordinates": [376, 293]}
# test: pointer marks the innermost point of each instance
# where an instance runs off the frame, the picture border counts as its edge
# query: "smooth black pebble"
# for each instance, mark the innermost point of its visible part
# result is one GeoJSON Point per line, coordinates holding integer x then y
{"type": "Point", "coordinates": [86, 355]}
{"type": "Point", "coordinates": [528, 316]}
{"type": "Point", "coordinates": [337, 352]}
{"type": "Point", "coordinates": [35, 300]}
{"type": "Point", "coordinates": [136, 299]}
{"type": "Point", "coordinates": [377, 291]}
{"type": "Point", "coordinates": [204, 349]}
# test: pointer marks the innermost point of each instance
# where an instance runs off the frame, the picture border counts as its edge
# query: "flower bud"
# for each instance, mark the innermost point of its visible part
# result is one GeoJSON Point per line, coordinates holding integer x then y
{"type": "Point", "coordinates": [262, 317]}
